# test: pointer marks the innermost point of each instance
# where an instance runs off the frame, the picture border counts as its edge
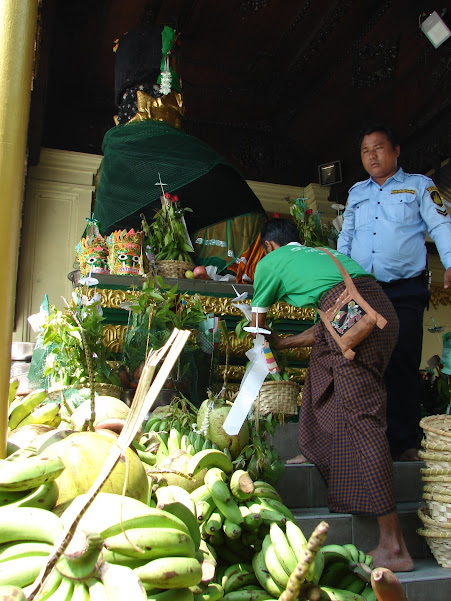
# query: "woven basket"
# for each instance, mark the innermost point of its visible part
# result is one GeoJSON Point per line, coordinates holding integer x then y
{"type": "Point", "coordinates": [439, 505]}
{"type": "Point", "coordinates": [443, 446]}
{"type": "Point", "coordinates": [173, 269]}
{"type": "Point", "coordinates": [101, 389]}
{"type": "Point", "coordinates": [278, 398]}
{"type": "Point", "coordinates": [435, 460]}
{"type": "Point", "coordinates": [438, 537]}
{"type": "Point", "coordinates": [437, 428]}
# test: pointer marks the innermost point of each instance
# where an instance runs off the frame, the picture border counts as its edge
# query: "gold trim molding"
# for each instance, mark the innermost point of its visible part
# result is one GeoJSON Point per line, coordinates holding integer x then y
{"type": "Point", "coordinates": [112, 299]}
{"type": "Point", "coordinates": [235, 373]}
{"type": "Point", "coordinates": [440, 295]}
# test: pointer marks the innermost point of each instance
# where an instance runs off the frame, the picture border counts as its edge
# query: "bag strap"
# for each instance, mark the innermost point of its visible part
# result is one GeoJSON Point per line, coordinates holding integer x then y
{"type": "Point", "coordinates": [346, 277]}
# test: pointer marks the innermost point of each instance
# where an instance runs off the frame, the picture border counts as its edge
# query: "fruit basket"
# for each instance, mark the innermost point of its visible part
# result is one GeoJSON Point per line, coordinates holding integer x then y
{"type": "Point", "coordinates": [173, 269]}
{"type": "Point", "coordinates": [437, 536]}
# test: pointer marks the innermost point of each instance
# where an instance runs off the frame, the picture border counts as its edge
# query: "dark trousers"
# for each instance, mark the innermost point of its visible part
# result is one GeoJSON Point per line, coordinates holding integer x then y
{"type": "Point", "coordinates": [402, 380]}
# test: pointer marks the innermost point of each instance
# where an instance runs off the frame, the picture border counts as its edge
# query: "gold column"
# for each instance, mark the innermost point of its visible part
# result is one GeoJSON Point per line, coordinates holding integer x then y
{"type": "Point", "coordinates": [17, 39]}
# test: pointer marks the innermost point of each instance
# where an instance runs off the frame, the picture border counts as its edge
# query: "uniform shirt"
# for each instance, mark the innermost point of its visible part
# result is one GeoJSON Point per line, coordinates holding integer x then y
{"type": "Point", "coordinates": [298, 275]}
{"type": "Point", "coordinates": [384, 227]}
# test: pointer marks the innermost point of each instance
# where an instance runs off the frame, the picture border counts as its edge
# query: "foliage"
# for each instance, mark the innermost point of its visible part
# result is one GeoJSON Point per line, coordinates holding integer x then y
{"type": "Point", "coordinates": [166, 235]}
{"type": "Point", "coordinates": [435, 390]}
{"type": "Point", "coordinates": [66, 360]}
{"type": "Point", "coordinates": [157, 310]}
{"type": "Point", "coordinates": [311, 231]}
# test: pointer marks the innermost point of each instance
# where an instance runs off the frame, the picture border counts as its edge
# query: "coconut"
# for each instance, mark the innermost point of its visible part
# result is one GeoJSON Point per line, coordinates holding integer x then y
{"type": "Point", "coordinates": [84, 455]}
{"type": "Point", "coordinates": [177, 461]}
{"type": "Point", "coordinates": [106, 407]}
{"type": "Point", "coordinates": [216, 432]}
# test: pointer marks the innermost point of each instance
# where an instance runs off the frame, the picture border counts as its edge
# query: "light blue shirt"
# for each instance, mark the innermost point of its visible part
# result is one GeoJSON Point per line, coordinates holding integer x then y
{"type": "Point", "coordinates": [384, 227]}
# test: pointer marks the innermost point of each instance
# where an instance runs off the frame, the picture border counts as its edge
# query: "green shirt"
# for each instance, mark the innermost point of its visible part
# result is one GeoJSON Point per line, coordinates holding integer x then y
{"type": "Point", "coordinates": [298, 275]}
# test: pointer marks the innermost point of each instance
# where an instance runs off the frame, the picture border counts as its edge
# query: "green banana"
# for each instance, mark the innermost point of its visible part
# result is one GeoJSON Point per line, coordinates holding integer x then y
{"type": "Point", "coordinates": [155, 518]}
{"type": "Point", "coordinates": [368, 593]}
{"type": "Point", "coordinates": [345, 581]}
{"type": "Point", "coordinates": [231, 529]}
{"type": "Point", "coordinates": [44, 496]}
{"type": "Point", "coordinates": [23, 453]}
{"type": "Point", "coordinates": [282, 548]}
{"type": "Point", "coordinates": [178, 502]}
{"type": "Point", "coordinates": [122, 559]}
{"type": "Point", "coordinates": [332, 552]}
{"type": "Point", "coordinates": [184, 442]}
{"type": "Point", "coordinates": [266, 492]}
{"type": "Point", "coordinates": [207, 445]}
{"type": "Point", "coordinates": [41, 415]}
{"type": "Point", "coordinates": [316, 569]}
{"type": "Point", "coordinates": [249, 594]}
{"type": "Point", "coordinates": [352, 551]}
{"type": "Point", "coordinates": [267, 515]}
{"type": "Point", "coordinates": [239, 580]}
{"type": "Point", "coordinates": [333, 572]}
{"type": "Point", "coordinates": [151, 422]}
{"type": "Point", "coordinates": [278, 506]}
{"type": "Point", "coordinates": [214, 522]}
{"type": "Point", "coordinates": [18, 412]}
{"type": "Point", "coordinates": [357, 585]}
{"type": "Point", "coordinates": [273, 564]}
{"type": "Point", "coordinates": [229, 510]}
{"type": "Point", "coordinates": [204, 508]}
{"type": "Point", "coordinates": [241, 485]}
{"type": "Point", "coordinates": [29, 473]}
{"type": "Point", "coordinates": [9, 592]}
{"type": "Point", "coordinates": [50, 586]}
{"type": "Point", "coordinates": [213, 592]}
{"type": "Point", "coordinates": [180, 572]}
{"type": "Point", "coordinates": [121, 583]}
{"type": "Point", "coordinates": [215, 481]}
{"type": "Point", "coordinates": [96, 589]}
{"type": "Point", "coordinates": [263, 576]}
{"type": "Point", "coordinates": [147, 457]}
{"type": "Point", "coordinates": [15, 550]}
{"type": "Point", "coordinates": [177, 594]}
{"type": "Point", "coordinates": [251, 520]}
{"type": "Point", "coordinates": [209, 458]}
{"type": "Point", "coordinates": [174, 440]}
{"type": "Point", "coordinates": [80, 592]}
{"type": "Point", "coordinates": [8, 497]}
{"type": "Point", "coordinates": [198, 493]}
{"type": "Point", "coordinates": [13, 387]}
{"type": "Point", "coordinates": [362, 556]}
{"type": "Point", "coordinates": [152, 543]}
{"type": "Point", "coordinates": [369, 560]}
{"type": "Point", "coordinates": [21, 571]}
{"type": "Point", "coordinates": [29, 523]}
{"type": "Point", "coordinates": [82, 557]}
{"type": "Point", "coordinates": [335, 594]}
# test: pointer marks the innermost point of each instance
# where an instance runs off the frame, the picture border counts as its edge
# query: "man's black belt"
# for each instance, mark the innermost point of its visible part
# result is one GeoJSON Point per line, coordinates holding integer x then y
{"type": "Point", "coordinates": [423, 277]}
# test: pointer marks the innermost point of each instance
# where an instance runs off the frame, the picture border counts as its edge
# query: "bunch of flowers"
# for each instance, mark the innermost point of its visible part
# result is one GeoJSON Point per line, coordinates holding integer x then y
{"type": "Point", "coordinates": [311, 231]}
{"type": "Point", "coordinates": [167, 235]}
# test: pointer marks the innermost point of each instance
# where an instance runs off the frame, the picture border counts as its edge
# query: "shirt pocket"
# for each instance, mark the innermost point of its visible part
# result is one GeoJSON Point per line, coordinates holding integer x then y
{"type": "Point", "coordinates": [402, 208]}
{"type": "Point", "coordinates": [361, 213]}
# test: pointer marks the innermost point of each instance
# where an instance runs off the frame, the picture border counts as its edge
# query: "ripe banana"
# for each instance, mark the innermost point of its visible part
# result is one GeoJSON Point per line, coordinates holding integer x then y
{"type": "Point", "coordinates": [29, 473]}
{"type": "Point", "coordinates": [152, 543]}
{"type": "Point", "coordinates": [121, 583]}
{"type": "Point", "coordinates": [180, 572]}
{"type": "Point", "coordinates": [273, 564]}
{"type": "Point", "coordinates": [18, 412]}
{"type": "Point", "coordinates": [209, 458]}
{"type": "Point", "coordinates": [43, 414]}
{"type": "Point", "coordinates": [29, 523]}
{"type": "Point", "coordinates": [21, 571]}
{"type": "Point", "coordinates": [335, 594]}
{"type": "Point", "coordinates": [241, 485]}
{"type": "Point", "coordinates": [44, 496]}
{"type": "Point", "coordinates": [14, 550]}
{"type": "Point", "coordinates": [263, 576]}
{"type": "Point", "coordinates": [156, 518]}
{"type": "Point", "coordinates": [282, 548]}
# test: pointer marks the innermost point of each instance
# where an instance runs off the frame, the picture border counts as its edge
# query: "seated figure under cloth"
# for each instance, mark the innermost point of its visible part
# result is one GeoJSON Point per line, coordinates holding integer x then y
{"type": "Point", "coordinates": [148, 143]}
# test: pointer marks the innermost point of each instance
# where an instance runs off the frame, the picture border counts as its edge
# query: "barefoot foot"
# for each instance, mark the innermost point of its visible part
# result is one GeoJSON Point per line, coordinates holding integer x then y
{"type": "Point", "coordinates": [297, 460]}
{"type": "Point", "coordinates": [409, 455]}
{"type": "Point", "coordinates": [396, 562]}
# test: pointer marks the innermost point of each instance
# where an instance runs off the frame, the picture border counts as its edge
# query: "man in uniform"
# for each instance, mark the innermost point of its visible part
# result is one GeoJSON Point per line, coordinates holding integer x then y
{"type": "Point", "coordinates": [384, 229]}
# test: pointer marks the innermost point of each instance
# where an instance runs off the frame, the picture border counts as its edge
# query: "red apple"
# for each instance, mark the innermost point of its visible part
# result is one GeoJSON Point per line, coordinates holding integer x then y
{"type": "Point", "coordinates": [200, 273]}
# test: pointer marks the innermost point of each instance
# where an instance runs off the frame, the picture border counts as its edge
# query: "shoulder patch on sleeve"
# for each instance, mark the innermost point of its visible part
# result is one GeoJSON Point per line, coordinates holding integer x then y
{"type": "Point", "coordinates": [437, 200]}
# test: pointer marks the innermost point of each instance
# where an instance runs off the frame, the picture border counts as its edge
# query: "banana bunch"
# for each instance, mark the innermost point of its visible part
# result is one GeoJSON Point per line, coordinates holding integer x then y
{"type": "Point", "coordinates": [347, 573]}
{"type": "Point", "coordinates": [23, 476]}
{"type": "Point", "coordinates": [32, 409]}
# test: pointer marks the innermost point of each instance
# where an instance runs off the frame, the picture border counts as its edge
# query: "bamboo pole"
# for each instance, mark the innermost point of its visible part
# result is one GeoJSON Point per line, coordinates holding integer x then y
{"type": "Point", "coordinates": [17, 39]}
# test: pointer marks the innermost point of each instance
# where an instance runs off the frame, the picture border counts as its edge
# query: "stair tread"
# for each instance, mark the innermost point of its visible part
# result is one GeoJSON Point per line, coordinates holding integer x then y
{"type": "Point", "coordinates": [321, 512]}
{"type": "Point", "coordinates": [425, 569]}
